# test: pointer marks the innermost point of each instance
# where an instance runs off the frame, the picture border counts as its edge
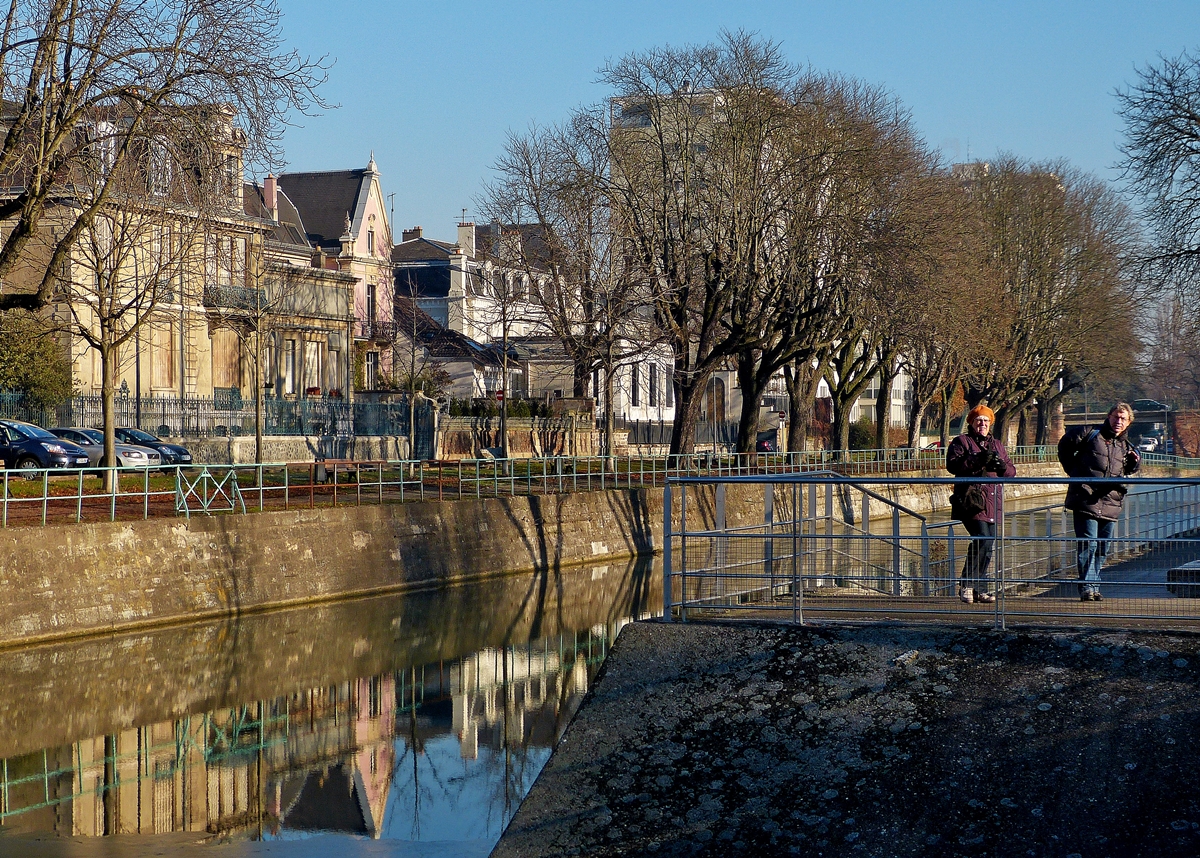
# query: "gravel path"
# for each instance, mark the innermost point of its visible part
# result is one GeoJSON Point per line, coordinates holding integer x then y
{"type": "Point", "coordinates": [738, 739]}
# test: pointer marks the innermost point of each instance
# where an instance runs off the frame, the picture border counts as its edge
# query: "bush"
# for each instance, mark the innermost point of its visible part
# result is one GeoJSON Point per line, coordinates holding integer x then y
{"type": "Point", "coordinates": [862, 434]}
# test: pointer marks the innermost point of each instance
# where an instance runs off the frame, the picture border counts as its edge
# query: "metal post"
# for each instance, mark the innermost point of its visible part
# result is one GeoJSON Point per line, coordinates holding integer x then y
{"type": "Point", "coordinates": [769, 529]}
{"type": "Point", "coordinates": [797, 582]}
{"type": "Point", "coordinates": [1000, 590]}
{"type": "Point", "coordinates": [667, 552]}
{"type": "Point", "coordinates": [896, 588]}
{"type": "Point", "coordinates": [683, 553]}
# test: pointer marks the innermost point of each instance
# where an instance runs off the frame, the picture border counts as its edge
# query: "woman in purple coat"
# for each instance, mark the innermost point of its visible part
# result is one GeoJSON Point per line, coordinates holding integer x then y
{"type": "Point", "coordinates": [976, 453]}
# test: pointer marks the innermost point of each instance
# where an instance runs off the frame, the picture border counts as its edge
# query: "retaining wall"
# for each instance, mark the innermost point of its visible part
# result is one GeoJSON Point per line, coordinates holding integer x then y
{"type": "Point", "coordinates": [70, 580]}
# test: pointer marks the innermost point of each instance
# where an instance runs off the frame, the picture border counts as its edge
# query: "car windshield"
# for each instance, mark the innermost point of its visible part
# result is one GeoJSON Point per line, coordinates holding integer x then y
{"type": "Point", "coordinates": [26, 430]}
{"type": "Point", "coordinates": [141, 437]}
{"type": "Point", "coordinates": [93, 435]}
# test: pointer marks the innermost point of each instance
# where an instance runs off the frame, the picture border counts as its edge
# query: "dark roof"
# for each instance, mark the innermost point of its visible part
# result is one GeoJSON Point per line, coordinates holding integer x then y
{"type": "Point", "coordinates": [324, 200]}
{"type": "Point", "coordinates": [443, 343]}
{"type": "Point", "coordinates": [289, 228]}
{"type": "Point", "coordinates": [421, 250]}
{"type": "Point", "coordinates": [327, 802]}
{"type": "Point", "coordinates": [424, 281]}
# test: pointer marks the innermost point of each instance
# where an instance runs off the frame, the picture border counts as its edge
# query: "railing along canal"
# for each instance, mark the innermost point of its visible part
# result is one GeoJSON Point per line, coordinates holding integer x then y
{"type": "Point", "coordinates": [825, 545]}
{"type": "Point", "coordinates": [100, 494]}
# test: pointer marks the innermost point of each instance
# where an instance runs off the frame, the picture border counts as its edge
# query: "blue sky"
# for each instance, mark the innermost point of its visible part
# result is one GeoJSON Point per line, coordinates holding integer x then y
{"type": "Point", "coordinates": [432, 88]}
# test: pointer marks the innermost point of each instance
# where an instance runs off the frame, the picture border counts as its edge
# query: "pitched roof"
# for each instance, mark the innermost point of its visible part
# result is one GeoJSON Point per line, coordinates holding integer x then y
{"type": "Point", "coordinates": [288, 228]}
{"type": "Point", "coordinates": [443, 343]}
{"type": "Point", "coordinates": [325, 200]}
{"type": "Point", "coordinates": [421, 250]}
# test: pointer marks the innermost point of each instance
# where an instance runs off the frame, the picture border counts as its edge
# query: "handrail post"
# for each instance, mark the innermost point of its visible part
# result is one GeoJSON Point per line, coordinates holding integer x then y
{"type": "Point", "coordinates": [667, 553]}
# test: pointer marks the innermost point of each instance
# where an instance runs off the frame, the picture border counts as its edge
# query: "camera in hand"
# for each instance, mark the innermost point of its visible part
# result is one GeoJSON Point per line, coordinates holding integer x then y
{"type": "Point", "coordinates": [994, 462]}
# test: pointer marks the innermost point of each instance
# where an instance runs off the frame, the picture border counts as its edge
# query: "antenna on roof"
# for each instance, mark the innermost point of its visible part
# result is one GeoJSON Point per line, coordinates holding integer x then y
{"type": "Point", "coordinates": [463, 219]}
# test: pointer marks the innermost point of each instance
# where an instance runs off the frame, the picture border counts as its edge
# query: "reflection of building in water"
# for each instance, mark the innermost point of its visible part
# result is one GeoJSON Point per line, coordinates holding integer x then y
{"type": "Point", "coordinates": [494, 689]}
{"type": "Point", "coordinates": [509, 696]}
{"type": "Point", "coordinates": [321, 758]}
{"type": "Point", "coordinates": [336, 758]}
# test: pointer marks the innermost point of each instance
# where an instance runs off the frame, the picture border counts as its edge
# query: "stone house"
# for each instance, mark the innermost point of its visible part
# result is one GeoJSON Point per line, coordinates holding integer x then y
{"type": "Point", "coordinates": [346, 222]}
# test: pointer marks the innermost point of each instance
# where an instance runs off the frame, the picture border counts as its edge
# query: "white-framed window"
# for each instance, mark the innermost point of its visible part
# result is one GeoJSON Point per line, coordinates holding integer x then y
{"type": "Point", "coordinates": [289, 366]}
{"type": "Point", "coordinates": [312, 365]}
{"type": "Point", "coordinates": [371, 370]}
{"type": "Point", "coordinates": [635, 385]}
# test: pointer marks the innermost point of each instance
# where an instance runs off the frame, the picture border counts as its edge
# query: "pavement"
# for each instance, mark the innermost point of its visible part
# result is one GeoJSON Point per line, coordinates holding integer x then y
{"type": "Point", "coordinates": [729, 739]}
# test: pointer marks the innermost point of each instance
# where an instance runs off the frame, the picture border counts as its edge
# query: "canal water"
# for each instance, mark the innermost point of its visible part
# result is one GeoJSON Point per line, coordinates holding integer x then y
{"type": "Point", "coordinates": [405, 725]}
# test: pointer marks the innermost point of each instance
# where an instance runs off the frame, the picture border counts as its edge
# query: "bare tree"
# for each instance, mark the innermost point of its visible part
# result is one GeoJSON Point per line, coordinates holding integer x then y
{"type": "Point", "coordinates": [81, 77]}
{"type": "Point", "coordinates": [272, 298]}
{"type": "Point", "coordinates": [1058, 245]}
{"type": "Point", "coordinates": [584, 288]}
{"type": "Point", "coordinates": [132, 259]}
{"type": "Point", "coordinates": [1162, 165]}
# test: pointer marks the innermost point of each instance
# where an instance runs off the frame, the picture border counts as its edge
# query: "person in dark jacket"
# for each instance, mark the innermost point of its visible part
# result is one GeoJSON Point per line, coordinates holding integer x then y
{"type": "Point", "coordinates": [976, 453]}
{"type": "Point", "coordinates": [1102, 451]}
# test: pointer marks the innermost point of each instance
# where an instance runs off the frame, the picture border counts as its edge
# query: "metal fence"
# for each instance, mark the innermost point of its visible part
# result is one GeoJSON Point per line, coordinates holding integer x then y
{"type": "Point", "coordinates": [830, 546]}
{"type": "Point", "coordinates": [222, 415]}
{"type": "Point", "coordinates": [95, 494]}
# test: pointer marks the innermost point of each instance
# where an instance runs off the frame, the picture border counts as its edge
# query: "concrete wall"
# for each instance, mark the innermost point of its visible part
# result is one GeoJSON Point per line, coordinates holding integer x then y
{"type": "Point", "coordinates": [69, 580]}
{"type": "Point", "coordinates": [239, 450]}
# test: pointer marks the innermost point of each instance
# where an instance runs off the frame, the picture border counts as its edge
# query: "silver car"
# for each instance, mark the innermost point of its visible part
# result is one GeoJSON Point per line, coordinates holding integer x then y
{"type": "Point", "coordinates": [92, 440]}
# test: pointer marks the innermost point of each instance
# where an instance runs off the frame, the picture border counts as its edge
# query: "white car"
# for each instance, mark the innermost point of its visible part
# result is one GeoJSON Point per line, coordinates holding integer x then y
{"type": "Point", "coordinates": [1147, 445]}
{"type": "Point", "coordinates": [92, 440]}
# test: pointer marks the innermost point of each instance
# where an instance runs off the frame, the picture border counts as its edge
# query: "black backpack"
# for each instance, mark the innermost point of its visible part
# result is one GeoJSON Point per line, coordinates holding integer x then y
{"type": "Point", "coordinates": [1068, 454]}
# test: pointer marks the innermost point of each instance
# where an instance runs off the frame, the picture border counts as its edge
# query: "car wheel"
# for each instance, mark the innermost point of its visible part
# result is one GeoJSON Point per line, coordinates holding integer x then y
{"type": "Point", "coordinates": [28, 463]}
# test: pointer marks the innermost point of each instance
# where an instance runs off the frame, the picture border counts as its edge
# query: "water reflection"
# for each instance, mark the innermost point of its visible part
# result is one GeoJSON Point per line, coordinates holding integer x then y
{"type": "Point", "coordinates": [413, 717]}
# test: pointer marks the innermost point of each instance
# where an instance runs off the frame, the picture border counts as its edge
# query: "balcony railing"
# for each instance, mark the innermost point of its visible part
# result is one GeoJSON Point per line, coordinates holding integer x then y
{"type": "Point", "coordinates": [379, 331]}
{"type": "Point", "coordinates": [234, 297]}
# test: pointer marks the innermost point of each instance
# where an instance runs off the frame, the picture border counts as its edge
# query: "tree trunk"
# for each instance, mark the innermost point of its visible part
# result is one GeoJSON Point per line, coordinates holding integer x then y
{"type": "Point", "coordinates": [947, 398]}
{"type": "Point", "coordinates": [258, 401]}
{"type": "Point", "coordinates": [753, 387]}
{"type": "Point", "coordinates": [841, 423]}
{"type": "Point", "coordinates": [883, 403]}
{"type": "Point", "coordinates": [914, 425]}
{"type": "Point", "coordinates": [802, 380]}
{"type": "Point", "coordinates": [108, 406]}
{"type": "Point", "coordinates": [688, 398]}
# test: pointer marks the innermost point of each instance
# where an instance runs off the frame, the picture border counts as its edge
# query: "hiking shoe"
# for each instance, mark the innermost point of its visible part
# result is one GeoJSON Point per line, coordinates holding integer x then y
{"type": "Point", "coordinates": [1085, 596]}
{"type": "Point", "coordinates": [967, 595]}
{"type": "Point", "coordinates": [985, 598]}
{"type": "Point", "coordinates": [1096, 597]}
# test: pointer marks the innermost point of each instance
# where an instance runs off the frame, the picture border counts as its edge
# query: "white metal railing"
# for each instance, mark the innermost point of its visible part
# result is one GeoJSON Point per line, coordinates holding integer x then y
{"type": "Point", "coordinates": [814, 551]}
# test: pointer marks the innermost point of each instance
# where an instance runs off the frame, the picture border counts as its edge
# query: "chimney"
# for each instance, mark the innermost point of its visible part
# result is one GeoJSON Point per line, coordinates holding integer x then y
{"type": "Point", "coordinates": [410, 234]}
{"type": "Point", "coordinates": [466, 237]}
{"type": "Point", "coordinates": [271, 196]}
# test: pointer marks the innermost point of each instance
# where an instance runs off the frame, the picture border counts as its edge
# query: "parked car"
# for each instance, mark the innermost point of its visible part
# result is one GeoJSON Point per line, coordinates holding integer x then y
{"type": "Point", "coordinates": [172, 454]}
{"type": "Point", "coordinates": [24, 446]}
{"type": "Point", "coordinates": [92, 440]}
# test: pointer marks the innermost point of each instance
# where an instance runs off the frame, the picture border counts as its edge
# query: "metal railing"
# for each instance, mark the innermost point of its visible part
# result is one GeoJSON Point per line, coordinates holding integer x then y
{"type": "Point", "coordinates": [822, 549]}
{"type": "Point", "coordinates": [100, 494]}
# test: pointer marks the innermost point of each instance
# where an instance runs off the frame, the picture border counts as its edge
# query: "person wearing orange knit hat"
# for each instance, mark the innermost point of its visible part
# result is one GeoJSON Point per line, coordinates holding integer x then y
{"type": "Point", "coordinates": [975, 453]}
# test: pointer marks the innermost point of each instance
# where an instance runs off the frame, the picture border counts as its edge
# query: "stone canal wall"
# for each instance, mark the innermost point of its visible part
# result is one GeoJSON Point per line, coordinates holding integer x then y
{"type": "Point", "coordinates": [70, 580]}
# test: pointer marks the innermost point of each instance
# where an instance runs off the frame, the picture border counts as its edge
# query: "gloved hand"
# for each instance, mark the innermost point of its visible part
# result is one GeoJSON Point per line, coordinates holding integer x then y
{"type": "Point", "coordinates": [1131, 462]}
{"type": "Point", "coordinates": [994, 463]}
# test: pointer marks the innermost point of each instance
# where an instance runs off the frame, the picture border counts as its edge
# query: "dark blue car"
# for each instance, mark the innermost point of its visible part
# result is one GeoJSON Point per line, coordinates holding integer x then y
{"type": "Point", "coordinates": [24, 446]}
{"type": "Point", "coordinates": [172, 454]}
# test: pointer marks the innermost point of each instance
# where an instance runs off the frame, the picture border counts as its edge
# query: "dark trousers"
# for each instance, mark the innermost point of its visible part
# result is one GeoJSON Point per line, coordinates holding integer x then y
{"type": "Point", "coordinates": [979, 553]}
